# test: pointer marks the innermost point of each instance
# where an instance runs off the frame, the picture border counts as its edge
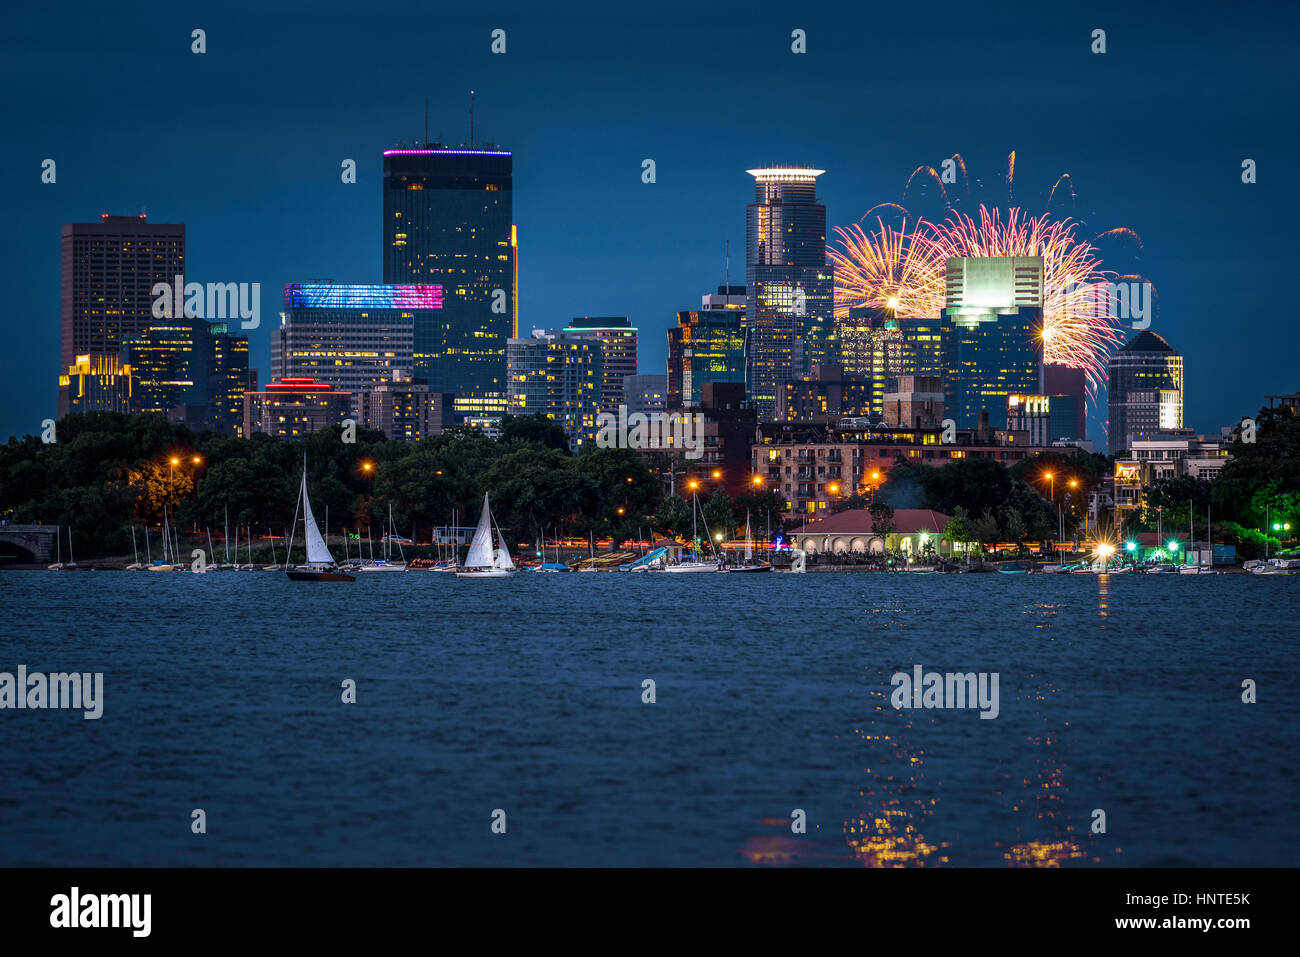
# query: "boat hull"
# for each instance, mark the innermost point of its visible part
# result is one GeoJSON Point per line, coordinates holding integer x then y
{"type": "Point", "coordinates": [689, 567]}
{"type": "Point", "coordinates": [305, 575]}
{"type": "Point", "coordinates": [485, 573]}
{"type": "Point", "coordinates": [765, 567]}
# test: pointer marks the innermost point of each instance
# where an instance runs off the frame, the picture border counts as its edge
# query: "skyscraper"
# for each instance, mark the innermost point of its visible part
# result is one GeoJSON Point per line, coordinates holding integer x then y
{"type": "Point", "coordinates": [991, 329]}
{"type": "Point", "coordinates": [109, 270]}
{"type": "Point", "coordinates": [618, 340]}
{"type": "Point", "coordinates": [1146, 390]}
{"type": "Point", "coordinates": [706, 345]}
{"type": "Point", "coordinates": [448, 221]}
{"type": "Point", "coordinates": [557, 373]}
{"type": "Point", "coordinates": [352, 337]}
{"type": "Point", "coordinates": [789, 324]}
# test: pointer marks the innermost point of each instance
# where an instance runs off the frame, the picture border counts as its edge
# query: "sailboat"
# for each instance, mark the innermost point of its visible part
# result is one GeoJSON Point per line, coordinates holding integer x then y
{"type": "Point", "coordinates": [749, 564]}
{"type": "Point", "coordinates": [165, 565]}
{"type": "Point", "coordinates": [696, 562]}
{"type": "Point", "coordinates": [386, 564]}
{"type": "Point", "coordinates": [481, 562]}
{"type": "Point", "coordinates": [320, 566]}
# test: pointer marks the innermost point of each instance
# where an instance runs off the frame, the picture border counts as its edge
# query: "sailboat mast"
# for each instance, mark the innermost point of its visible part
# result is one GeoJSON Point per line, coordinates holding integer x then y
{"type": "Point", "coordinates": [135, 556]}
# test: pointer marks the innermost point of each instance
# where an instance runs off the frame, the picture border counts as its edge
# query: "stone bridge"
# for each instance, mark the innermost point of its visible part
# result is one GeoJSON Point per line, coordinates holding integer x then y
{"type": "Point", "coordinates": [28, 543]}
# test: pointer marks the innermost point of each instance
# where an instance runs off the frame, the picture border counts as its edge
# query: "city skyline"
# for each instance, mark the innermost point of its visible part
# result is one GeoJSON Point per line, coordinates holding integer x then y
{"type": "Point", "coordinates": [674, 228]}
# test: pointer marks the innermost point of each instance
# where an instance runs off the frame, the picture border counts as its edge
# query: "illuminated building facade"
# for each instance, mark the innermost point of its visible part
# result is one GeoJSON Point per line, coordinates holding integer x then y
{"type": "Point", "coordinates": [814, 467]}
{"type": "Point", "coordinates": [789, 323]}
{"type": "Point", "coordinates": [353, 337]}
{"type": "Point", "coordinates": [991, 335]}
{"type": "Point", "coordinates": [618, 358]}
{"type": "Point", "coordinates": [707, 345]}
{"type": "Point", "coordinates": [404, 410]}
{"type": "Point", "coordinates": [558, 374]}
{"type": "Point", "coordinates": [1032, 414]}
{"type": "Point", "coordinates": [293, 407]}
{"type": "Point", "coordinates": [447, 220]}
{"type": "Point", "coordinates": [172, 364]}
{"type": "Point", "coordinates": [95, 384]}
{"type": "Point", "coordinates": [109, 270]}
{"type": "Point", "coordinates": [228, 379]}
{"type": "Point", "coordinates": [827, 393]}
{"type": "Point", "coordinates": [1146, 390]}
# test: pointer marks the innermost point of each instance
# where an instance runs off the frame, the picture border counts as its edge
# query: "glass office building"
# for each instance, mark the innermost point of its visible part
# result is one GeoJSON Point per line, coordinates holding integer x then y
{"type": "Point", "coordinates": [789, 323]}
{"type": "Point", "coordinates": [447, 221]}
{"type": "Point", "coordinates": [1146, 390]}
{"type": "Point", "coordinates": [992, 336]}
{"type": "Point", "coordinates": [707, 345]}
{"type": "Point", "coordinates": [350, 336]}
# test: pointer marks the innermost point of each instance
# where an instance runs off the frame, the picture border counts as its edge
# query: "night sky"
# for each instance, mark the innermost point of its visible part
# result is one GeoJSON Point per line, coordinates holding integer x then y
{"type": "Point", "coordinates": [244, 143]}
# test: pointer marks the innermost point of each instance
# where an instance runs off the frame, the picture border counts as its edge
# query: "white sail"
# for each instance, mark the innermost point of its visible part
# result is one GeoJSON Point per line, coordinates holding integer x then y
{"type": "Point", "coordinates": [749, 540]}
{"type": "Point", "coordinates": [317, 552]}
{"type": "Point", "coordinates": [480, 549]}
{"type": "Point", "coordinates": [503, 553]}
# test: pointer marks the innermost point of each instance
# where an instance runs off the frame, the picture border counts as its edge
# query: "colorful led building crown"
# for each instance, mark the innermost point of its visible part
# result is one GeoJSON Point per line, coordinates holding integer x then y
{"type": "Point", "coordinates": [339, 296]}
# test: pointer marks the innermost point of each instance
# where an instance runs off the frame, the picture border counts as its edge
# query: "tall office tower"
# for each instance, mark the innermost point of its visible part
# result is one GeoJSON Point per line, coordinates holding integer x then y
{"type": "Point", "coordinates": [645, 393]}
{"type": "Point", "coordinates": [991, 329]}
{"type": "Point", "coordinates": [1068, 389]}
{"type": "Point", "coordinates": [110, 269]}
{"type": "Point", "coordinates": [789, 324]}
{"type": "Point", "coordinates": [448, 221]}
{"type": "Point", "coordinates": [872, 350]}
{"type": "Point", "coordinates": [618, 339]}
{"type": "Point", "coordinates": [1146, 390]}
{"type": "Point", "coordinates": [353, 337]}
{"type": "Point", "coordinates": [172, 364]}
{"type": "Point", "coordinates": [707, 345]}
{"type": "Point", "coordinates": [228, 379]}
{"type": "Point", "coordinates": [558, 374]}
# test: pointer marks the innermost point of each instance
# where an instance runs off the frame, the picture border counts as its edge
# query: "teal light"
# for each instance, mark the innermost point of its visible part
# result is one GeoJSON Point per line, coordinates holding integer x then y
{"type": "Point", "coordinates": [1173, 545]}
{"type": "Point", "coordinates": [1131, 546]}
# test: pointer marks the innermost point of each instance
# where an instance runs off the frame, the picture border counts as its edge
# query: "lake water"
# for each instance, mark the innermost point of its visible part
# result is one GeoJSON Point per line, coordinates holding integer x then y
{"type": "Point", "coordinates": [223, 692]}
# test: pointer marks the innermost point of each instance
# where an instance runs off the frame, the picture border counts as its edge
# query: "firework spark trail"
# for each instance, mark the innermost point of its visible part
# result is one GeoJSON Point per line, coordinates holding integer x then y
{"type": "Point", "coordinates": [888, 269]}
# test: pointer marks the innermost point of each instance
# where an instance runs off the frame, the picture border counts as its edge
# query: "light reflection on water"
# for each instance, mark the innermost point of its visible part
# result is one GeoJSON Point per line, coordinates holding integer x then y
{"type": "Point", "coordinates": [773, 694]}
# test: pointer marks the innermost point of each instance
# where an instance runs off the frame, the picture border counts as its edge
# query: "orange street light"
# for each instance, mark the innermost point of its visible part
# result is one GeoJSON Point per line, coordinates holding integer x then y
{"type": "Point", "coordinates": [834, 488]}
{"type": "Point", "coordinates": [758, 480]}
{"type": "Point", "coordinates": [692, 484]}
{"type": "Point", "coordinates": [717, 473]}
{"type": "Point", "coordinates": [198, 460]}
{"type": "Point", "coordinates": [175, 461]}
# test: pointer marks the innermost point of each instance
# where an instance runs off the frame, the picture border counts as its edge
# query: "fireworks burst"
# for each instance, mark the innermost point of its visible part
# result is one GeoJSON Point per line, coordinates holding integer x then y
{"type": "Point", "coordinates": [888, 269]}
{"type": "Point", "coordinates": [904, 272]}
{"type": "Point", "coordinates": [1079, 329]}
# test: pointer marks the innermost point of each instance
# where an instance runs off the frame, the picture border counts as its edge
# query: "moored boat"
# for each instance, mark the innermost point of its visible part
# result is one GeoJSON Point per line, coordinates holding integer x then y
{"type": "Point", "coordinates": [482, 562]}
{"type": "Point", "coordinates": [320, 565]}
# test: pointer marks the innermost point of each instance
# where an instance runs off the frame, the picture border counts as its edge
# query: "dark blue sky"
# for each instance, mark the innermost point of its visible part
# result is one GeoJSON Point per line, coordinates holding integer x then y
{"type": "Point", "coordinates": [244, 145]}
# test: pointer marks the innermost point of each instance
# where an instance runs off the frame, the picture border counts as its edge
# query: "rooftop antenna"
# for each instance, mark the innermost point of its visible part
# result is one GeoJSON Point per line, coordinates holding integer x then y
{"type": "Point", "coordinates": [426, 121]}
{"type": "Point", "coordinates": [727, 280]}
{"type": "Point", "coordinates": [471, 119]}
